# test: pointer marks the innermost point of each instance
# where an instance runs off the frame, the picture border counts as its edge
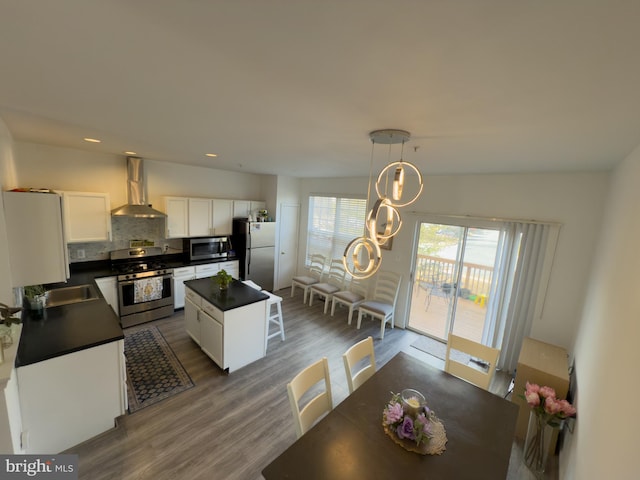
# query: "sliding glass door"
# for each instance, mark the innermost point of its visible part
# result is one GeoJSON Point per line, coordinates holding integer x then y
{"type": "Point", "coordinates": [454, 268]}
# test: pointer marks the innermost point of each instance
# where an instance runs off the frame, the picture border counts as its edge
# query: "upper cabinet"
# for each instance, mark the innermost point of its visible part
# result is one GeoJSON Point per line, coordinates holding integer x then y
{"type": "Point", "coordinates": [37, 250]}
{"type": "Point", "coordinates": [247, 208]}
{"type": "Point", "coordinates": [199, 217]}
{"type": "Point", "coordinates": [87, 217]}
{"type": "Point", "coordinates": [177, 223]}
{"type": "Point", "coordinates": [222, 219]}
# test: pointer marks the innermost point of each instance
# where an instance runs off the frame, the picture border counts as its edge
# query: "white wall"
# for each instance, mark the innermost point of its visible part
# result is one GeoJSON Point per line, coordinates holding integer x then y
{"type": "Point", "coordinates": [604, 444]}
{"type": "Point", "coordinates": [574, 200]}
{"type": "Point", "coordinates": [78, 170]}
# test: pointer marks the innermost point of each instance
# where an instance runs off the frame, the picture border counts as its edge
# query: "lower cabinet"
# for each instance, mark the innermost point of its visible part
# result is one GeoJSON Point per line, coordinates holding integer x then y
{"type": "Point", "coordinates": [191, 317]}
{"type": "Point", "coordinates": [181, 275]}
{"type": "Point", "coordinates": [109, 288]}
{"type": "Point", "coordinates": [211, 337]}
{"type": "Point", "coordinates": [63, 405]}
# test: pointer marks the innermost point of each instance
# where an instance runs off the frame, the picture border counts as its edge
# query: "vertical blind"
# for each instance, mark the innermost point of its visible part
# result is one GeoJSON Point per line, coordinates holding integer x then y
{"type": "Point", "coordinates": [333, 223]}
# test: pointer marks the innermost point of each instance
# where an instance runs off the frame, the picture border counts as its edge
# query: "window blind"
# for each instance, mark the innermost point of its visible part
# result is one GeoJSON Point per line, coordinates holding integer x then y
{"type": "Point", "coordinates": [333, 223]}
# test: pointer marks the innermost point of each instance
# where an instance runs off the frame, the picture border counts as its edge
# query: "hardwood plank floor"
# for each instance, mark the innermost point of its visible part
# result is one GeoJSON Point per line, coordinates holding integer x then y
{"type": "Point", "coordinates": [232, 426]}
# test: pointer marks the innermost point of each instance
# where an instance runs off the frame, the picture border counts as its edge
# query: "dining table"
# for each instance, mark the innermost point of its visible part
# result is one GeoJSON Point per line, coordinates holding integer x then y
{"type": "Point", "coordinates": [350, 441]}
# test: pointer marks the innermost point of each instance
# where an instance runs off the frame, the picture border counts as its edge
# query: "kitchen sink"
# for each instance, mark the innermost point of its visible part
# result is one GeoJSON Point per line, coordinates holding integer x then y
{"type": "Point", "coordinates": [74, 294]}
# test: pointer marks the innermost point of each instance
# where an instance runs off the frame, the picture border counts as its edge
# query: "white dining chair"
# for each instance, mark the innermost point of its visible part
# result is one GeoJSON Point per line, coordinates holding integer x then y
{"type": "Point", "coordinates": [360, 356]}
{"type": "Point", "coordinates": [316, 408]}
{"type": "Point", "coordinates": [333, 283]}
{"type": "Point", "coordinates": [351, 297]}
{"type": "Point", "coordinates": [483, 356]}
{"type": "Point", "coordinates": [383, 303]}
{"type": "Point", "coordinates": [313, 276]}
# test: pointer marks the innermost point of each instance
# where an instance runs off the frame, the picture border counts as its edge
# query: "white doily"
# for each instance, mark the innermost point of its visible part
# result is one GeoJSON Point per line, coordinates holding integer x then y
{"type": "Point", "coordinates": [435, 446]}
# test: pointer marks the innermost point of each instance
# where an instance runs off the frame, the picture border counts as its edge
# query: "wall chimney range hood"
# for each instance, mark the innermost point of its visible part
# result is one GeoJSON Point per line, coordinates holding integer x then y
{"type": "Point", "coordinates": [137, 206]}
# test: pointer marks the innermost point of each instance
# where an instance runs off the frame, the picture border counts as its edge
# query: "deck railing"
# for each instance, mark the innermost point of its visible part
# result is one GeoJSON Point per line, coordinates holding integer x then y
{"type": "Point", "coordinates": [440, 272]}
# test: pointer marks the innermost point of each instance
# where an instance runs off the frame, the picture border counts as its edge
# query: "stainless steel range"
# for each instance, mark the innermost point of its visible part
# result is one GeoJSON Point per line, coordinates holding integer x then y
{"type": "Point", "coordinates": [145, 285]}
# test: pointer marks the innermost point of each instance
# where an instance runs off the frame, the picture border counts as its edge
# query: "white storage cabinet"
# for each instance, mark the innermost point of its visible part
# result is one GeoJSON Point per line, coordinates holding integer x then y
{"type": "Point", "coordinates": [87, 217]}
{"type": "Point", "coordinates": [177, 221]}
{"type": "Point", "coordinates": [37, 249]}
{"type": "Point", "coordinates": [192, 302]}
{"type": "Point", "coordinates": [181, 275]}
{"type": "Point", "coordinates": [109, 288]}
{"type": "Point", "coordinates": [58, 408]}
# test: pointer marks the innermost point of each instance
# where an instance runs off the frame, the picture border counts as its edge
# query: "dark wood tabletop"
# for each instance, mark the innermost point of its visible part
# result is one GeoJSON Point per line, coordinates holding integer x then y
{"type": "Point", "coordinates": [350, 443]}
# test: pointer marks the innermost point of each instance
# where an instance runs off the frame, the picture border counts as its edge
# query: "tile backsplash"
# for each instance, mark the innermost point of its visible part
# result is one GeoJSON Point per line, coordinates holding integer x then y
{"type": "Point", "coordinates": [125, 229]}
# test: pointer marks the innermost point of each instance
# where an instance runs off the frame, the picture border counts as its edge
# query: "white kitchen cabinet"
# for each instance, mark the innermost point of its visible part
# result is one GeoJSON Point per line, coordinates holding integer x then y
{"type": "Point", "coordinates": [87, 217]}
{"type": "Point", "coordinates": [58, 408]}
{"type": "Point", "coordinates": [222, 217]}
{"type": "Point", "coordinates": [192, 303]}
{"type": "Point", "coordinates": [207, 270]}
{"type": "Point", "coordinates": [255, 207]}
{"type": "Point", "coordinates": [241, 208]}
{"type": "Point", "coordinates": [177, 221]}
{"type": "Point", "coordinates": [109, 288]}
{"type": "Point", "coordinates": [232, 267]}
{"type": "Point", "coordinates": [211, 337]}
{"type": "Point", "coordinates": [200, 217]}
{"type": "Point", "coordinates": [181, 275]}
{"type": "Point", "coordinates": [37, 249]}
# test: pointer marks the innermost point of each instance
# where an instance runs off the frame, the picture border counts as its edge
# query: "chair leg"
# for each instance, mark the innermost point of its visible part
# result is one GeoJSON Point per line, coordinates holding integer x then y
{"type": "Point", "coordinates": [350, 315]}
{"type": "Point", "coordinates": [382, 325]}
{"type": "Point", "coordinates": [326, 303]}
{"type": "Point", "coordinates": [333, 306]}
{"type": "Point", "coordinates": [280, 320]}
{"type": "Point", "coordinates": [359, 319]}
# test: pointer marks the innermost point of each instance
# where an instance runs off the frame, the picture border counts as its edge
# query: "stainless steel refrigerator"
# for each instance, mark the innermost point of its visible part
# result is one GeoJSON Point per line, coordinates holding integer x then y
{"type": "Point", "coordinates": [255, 246]}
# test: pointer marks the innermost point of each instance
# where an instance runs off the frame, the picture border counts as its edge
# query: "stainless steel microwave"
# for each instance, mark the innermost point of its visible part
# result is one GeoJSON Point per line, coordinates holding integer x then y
{"type": "Point", "coordinates": [205, 248]}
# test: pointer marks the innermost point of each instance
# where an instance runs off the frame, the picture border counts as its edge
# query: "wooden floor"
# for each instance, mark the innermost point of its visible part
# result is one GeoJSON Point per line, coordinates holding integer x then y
{"type": "Point", "coordinates": [232, 426]}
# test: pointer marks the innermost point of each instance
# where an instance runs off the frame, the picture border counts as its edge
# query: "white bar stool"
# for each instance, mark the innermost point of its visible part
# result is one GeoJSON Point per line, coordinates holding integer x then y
{"type": "Point", "coordinates": [273, 318]}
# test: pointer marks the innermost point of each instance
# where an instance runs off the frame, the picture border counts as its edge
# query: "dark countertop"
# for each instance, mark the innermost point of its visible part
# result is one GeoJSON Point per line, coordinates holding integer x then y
{"type": "Point", "coordinates": [70, 328]}
{"type": "Point", "coordinates": [237, 294]}
{"type": "Point", "coordinates": [67, 329]}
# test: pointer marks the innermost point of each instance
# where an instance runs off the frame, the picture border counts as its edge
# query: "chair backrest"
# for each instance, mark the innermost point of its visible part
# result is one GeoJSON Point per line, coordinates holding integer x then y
{"type": "Point", "coordinates": [319, 405]}
{"type": "Point", "coordinates": [358, 287]}
{"type": "Point", "coordinates": [316, 265]}
{"type": "Point", "coordinates": [353, 357]}
{"type": "Point", "coordinates": [336, 274]}
{"type": "Point", "coordinates": [476, 375]}
{"type": "Point", "coordinates": [387, 287]}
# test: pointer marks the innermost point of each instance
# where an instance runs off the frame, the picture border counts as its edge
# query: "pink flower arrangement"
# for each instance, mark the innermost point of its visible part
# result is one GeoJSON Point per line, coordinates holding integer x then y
{"type": "Point", "coordinates": [416, 428]}
{"type": "Point", "coordinates": [543, 401]}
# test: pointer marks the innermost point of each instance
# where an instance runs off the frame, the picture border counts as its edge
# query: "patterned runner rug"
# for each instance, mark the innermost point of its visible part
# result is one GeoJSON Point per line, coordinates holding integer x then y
{"type": "Point", "coordinates": [153, 370]}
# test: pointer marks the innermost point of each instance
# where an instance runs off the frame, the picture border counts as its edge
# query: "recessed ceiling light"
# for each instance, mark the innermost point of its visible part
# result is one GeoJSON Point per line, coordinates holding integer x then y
{"type": "Point", "coordinates": [92, 140]}
{"type": "Point", "coordinates": [211, 154]}
{"type": "Point", "coordinates": [131, 153]}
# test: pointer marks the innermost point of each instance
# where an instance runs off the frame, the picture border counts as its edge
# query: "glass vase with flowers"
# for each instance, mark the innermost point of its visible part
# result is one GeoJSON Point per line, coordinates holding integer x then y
{"type": "Point", "coordinates": [548, 414]}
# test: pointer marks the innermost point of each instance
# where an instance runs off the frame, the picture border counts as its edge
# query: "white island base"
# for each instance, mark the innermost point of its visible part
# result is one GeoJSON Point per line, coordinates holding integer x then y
{"type": "Point", "coordinates": [232, 338]}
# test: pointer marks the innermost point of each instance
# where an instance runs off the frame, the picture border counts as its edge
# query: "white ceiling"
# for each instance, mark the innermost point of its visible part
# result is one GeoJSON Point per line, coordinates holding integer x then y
{"type": "Point", "coordinates": [294, 86]}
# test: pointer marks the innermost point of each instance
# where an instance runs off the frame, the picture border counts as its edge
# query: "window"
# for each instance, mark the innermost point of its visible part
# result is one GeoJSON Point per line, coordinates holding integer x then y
{"type": "Point", "coordinates": [333, 223]}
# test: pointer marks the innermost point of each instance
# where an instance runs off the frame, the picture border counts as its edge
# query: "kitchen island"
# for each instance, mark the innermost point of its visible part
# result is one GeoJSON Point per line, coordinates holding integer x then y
{"type": "Point", "coordinates": [228, 325]}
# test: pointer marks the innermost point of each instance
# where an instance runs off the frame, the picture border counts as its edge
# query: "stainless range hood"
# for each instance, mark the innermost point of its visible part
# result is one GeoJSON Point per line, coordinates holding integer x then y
{"type": "Point", "coordinates": [137, 206]}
